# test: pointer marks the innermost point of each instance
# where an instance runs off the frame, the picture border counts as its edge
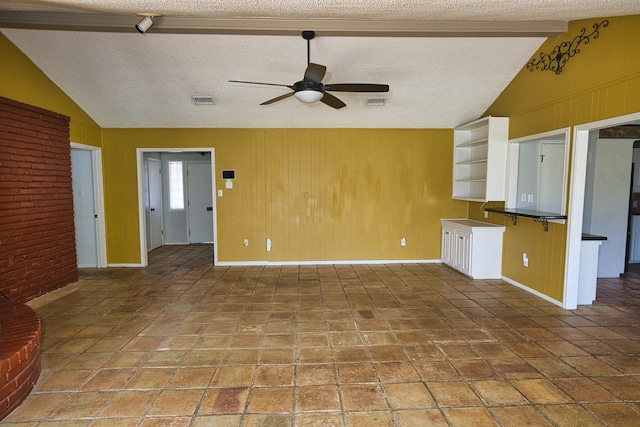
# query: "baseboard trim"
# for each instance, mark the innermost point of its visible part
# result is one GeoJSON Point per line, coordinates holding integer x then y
{"type": "Point", "coordinates": [533, 291]}
{"type": "Point", "coordinates": [353, 262]}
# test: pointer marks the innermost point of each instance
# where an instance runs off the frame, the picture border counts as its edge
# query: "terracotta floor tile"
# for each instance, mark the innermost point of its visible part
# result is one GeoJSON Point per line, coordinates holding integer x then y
{"type": "Point", "coordinates": [315, 374]}
{"type": "Point", "coordinates": [280, 375]}
{"type": "Point", "coordinates": [271, 399]}
{"type": "Point", "coordinates": [541, 391]}
{"type": "Point", "coordinates": [192, 378]}
{"type": "Point", "coordinates": [584, 390]}
{"type": "Point", "coordinates": [418, 417]}
{"type": "Point", "coordinates": [124, 422]}
{"type": "Point", "coordinates": [623, 387]}
{"type": "Point", "coordinates": [319, 419]}
{"type": "Point", "coordinates": [277, 356]}
{"type": "Point", "coordinates": [363, 397]}
{"type": "Point", "coordinates": [66, 380]}
{"type": "Point", "coordinates": [37, 406]}
{"type": "Point", "coordinates": [351, 373]}
{"type": "Point", "coordinates": [176, 402]}
{"type": "Point", "coordinates": [395, 372]}
{"type": "Point", "coordinates": [455, 393]}
{"type": "Point", "coordinates": [370, 419]}
{"type": "Point", "coordinates": [129, 403]}
{"type": "Point", "coordinates": [496, 393]}
{"type": "Point", "coordinates": [520, 416]}
{"type": "Point", "coordinates": [224, 401]}
{"type": "Point", "coordinates": [150, 378]}
{"type": "Point", "coordinates": [267, 420]}
{"type": "Point", "coordinates": [474, 369]}
{"type": "Point", "coordinates": [233, 376]}
{"type": "Point", "coordinates": [615, 414]}
{"type": "Point", "coordinates": [79, 405]}
{"type": "Point", "coordinates": [314, 355]}
{"type": "Point", "coordinates": [470, 417]}
{"type": "Point", "coordinates": [565, 415]}
{"type": "Point", "coordinates": [109, 379]}
{"type": "Point", "coordinates": [552, 367]}
{"type": "Point", "coordinates": [436, 370]}
{"type": "Point", "coordinates": [409, 395]}
{"type": "Point", "coordinates": [317, 398]}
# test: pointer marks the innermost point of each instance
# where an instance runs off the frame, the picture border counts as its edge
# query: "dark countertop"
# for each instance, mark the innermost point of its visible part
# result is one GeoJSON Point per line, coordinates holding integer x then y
{"type": "Point", "coordinates": [586, 236]}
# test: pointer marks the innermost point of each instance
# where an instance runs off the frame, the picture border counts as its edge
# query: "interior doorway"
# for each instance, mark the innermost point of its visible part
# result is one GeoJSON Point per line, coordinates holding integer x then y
{"type": "Point", "coordinates": [577, 201]}
{"type": "Point", "coordinates": [88, 205]}
{"type": "Point", "coordinates": [167, 213]}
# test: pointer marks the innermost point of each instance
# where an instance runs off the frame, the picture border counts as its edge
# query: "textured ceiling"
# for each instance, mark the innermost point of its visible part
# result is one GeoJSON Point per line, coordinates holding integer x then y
{"type": "Point", "coordinates": [124, 79]}
{"type": "Point", "coordinates": [467, 10]}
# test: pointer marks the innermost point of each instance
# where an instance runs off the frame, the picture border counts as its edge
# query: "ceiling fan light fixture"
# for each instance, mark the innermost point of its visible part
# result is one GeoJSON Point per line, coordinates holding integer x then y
{"type": "Point", "coordinates": [308, 96]}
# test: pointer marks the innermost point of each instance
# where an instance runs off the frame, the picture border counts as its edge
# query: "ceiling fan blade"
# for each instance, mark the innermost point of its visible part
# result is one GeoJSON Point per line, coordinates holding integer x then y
{"type": "Point", "coordinates": [278, 98]}
{"type": "Point", "coordinates": [260, 83]}
{"type": "Point", "coordinates": [314, 72]}
{"type": "Point", "coordinates": [332, 101]}
{"type": "Point", "coordinates": [356, 87]}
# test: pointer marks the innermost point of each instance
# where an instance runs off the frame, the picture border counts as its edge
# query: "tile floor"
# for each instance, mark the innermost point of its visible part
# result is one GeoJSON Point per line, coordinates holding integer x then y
{"type": "Point", "coordinates": [184, 343]}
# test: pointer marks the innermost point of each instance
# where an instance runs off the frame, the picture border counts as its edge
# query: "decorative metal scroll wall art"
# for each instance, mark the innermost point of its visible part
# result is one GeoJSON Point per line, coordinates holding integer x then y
{"type": "Point", "coordinates": [560, 55]}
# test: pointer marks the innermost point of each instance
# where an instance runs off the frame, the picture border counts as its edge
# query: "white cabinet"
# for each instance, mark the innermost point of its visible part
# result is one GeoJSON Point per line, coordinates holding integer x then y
{"type": "Point", "coordinates": [472, 247]}
{"type": "Point", "coordinates": [480, 159]}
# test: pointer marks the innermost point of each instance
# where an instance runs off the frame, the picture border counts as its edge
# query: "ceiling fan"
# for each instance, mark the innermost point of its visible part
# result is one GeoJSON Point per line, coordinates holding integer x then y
{"type": "Point", "coordinates": [311, 89]}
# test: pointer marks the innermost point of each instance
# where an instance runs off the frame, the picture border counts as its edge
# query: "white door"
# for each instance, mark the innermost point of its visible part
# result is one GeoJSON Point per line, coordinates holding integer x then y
{"type": "Point", "coordinates": [84, 207]}
{"type": "Point", "coordinates": [154, 213]}
{"type": "Point", "coordinates": [199, 202]}
{"type": "Point", "coordinates": [551, 174]}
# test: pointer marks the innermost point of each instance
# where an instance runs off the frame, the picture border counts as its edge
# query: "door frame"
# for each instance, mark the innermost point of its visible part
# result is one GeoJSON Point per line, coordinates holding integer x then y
{"type": "Point", "coordinates": [576, 202]}
{"type": "Point", "coordinates": [98, 195]}
{"type": "Point", "coordinates": [142, 222]}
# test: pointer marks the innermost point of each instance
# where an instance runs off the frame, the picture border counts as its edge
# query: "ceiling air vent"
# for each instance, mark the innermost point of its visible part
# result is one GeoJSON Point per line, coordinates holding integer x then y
{"type": "Point", "coordinates": [376, 102]}
{"type": "Point", "coordinates": [202, 100]}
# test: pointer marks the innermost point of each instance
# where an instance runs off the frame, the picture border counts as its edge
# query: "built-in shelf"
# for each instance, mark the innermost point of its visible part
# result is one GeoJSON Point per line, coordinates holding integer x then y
{"type": "Point", "coordinates": [479, 159]}
{"type": "Point", "coordinates": [538, 216]}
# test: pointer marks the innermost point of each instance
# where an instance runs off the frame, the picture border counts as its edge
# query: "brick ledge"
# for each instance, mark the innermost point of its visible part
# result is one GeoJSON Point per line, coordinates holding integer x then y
{"type": "Point", "coordinates": [19, 354]}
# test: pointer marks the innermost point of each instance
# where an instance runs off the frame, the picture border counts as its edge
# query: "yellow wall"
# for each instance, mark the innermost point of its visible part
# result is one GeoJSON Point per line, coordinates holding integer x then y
{"type": "Point", "coordinates": [602, 81]}
{"type": "Point", "coordinates": [318, 194]}
{"type": "Point", "coordinates": [22, 81]}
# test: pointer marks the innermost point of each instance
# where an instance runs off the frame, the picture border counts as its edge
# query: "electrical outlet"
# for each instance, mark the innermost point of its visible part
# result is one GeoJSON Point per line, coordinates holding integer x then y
{"type": "Point", "coordinates": [486, 214]}
{"type": "Point", "coordinates": [525, 260]}
{"type": "Point", "coordinates": [268, 245]}
{"type": "Point", "coordinates": [246, 242]}
{"type": "Point", "coordinates": [403, 242]}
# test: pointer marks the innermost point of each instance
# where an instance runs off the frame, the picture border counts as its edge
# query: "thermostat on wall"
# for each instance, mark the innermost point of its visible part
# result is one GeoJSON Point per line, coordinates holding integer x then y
{"type": "Point", "coordinates": [228, 174]}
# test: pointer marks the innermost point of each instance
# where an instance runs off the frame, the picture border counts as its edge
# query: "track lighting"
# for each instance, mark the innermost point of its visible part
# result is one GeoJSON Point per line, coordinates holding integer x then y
{"type": "Point", "coordinates": [146, 22]}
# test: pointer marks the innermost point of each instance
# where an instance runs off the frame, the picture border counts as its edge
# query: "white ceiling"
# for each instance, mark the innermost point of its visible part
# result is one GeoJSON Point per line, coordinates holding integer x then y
{"type": "Point", "coordinates": [125, 79]}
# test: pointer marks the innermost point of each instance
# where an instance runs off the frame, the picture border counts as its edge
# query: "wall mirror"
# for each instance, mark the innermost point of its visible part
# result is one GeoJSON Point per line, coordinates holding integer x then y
{"type": "Point", "coordinates": [537, 172]}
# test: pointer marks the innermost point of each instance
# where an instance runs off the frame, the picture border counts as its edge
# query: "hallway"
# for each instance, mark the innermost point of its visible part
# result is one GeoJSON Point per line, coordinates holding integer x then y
{"type": "Point", "coordinates": [186, 343]}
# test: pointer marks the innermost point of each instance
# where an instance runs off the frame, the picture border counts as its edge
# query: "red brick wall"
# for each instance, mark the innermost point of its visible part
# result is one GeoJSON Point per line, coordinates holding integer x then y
{"type": "Point", "coordinates": [37, 235]}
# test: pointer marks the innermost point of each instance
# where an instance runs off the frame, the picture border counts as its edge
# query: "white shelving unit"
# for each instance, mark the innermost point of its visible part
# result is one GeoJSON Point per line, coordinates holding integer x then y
{"type": "Point", "coordinates": [480, 159]}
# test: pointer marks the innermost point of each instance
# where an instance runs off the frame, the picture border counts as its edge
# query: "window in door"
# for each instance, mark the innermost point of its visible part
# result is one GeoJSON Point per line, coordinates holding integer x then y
{"type": "Point", "coordinates": [176, 185]}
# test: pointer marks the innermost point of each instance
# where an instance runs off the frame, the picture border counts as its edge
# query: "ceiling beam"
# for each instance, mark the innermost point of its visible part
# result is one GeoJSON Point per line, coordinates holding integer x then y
{"type": "Point", "coordinates": [274, 26]}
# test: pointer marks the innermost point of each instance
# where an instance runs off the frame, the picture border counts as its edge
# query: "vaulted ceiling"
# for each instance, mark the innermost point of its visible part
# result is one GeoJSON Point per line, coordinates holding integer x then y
{"type": "Point", "coordinates": [445, 61]}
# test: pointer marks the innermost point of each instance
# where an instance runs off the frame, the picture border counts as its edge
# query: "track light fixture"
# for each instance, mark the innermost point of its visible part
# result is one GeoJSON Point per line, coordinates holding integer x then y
{"type": "Point", "coordinates": [146, 22]}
